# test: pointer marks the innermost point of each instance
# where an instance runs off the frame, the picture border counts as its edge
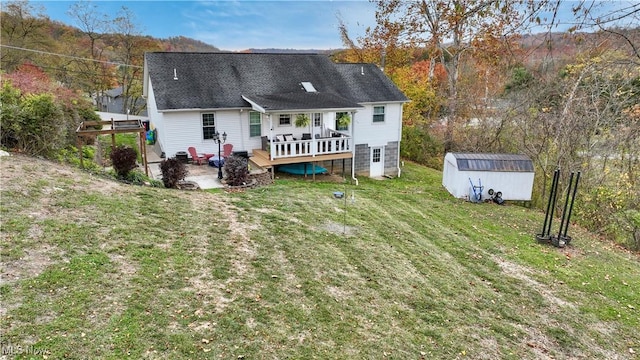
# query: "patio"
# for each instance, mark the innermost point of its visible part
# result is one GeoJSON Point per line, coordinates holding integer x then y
{"type": "Point", "coordinates": [204, 175]}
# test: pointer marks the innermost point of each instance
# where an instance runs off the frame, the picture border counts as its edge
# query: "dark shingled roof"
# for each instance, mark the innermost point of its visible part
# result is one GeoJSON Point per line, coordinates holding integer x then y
{"type": "Point", "coordinates": [302, 100]}
{"type": "Point", "coordinates": [493, 162]}
{"type": "Point", "coordinates": [273, 81]}
{"type": "Point", "coordinates": [366, 83]}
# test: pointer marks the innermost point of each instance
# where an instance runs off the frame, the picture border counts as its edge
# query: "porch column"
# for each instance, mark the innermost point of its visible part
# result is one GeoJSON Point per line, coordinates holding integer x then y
{"type": "Point", "coordinates": [271, 148]}
{"type": "Point", "coordinates": [353, 147]}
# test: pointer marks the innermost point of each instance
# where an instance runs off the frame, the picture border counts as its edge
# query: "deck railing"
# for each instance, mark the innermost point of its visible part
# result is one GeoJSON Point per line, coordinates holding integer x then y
{"type": "Point", "coordinates": [311, 147]}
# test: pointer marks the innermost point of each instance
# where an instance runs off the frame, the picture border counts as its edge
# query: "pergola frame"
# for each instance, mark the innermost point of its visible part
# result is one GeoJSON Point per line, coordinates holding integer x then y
{"type": "Point", "coordinates": [85, 129]}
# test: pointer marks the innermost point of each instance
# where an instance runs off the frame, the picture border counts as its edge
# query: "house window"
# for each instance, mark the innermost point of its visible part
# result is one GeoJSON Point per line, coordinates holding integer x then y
{"type": "Point", "coordinates": [285, 120]}
{"type": "Point", "coordinates": [317, 119]}
{"type": "Point", "coordinates": [338, 116]}
{"type": "Point", "coordinates": [376, 155]}
{"type": "Point", "coordinates": [208, 126]}
{"type": "Point", "coordinates": [255, 128]}
{"type": "Point", "coordinates": [378, 114]}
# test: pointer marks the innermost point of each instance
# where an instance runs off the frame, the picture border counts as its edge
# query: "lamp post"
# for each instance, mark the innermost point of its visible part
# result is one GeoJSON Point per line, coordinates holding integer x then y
{"type": "Point", "coordinates": [219, 141]}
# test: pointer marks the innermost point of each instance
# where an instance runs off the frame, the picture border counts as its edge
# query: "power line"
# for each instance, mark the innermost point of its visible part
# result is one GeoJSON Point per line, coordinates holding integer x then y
{"type": "Point", "coordinates": [70, 56]}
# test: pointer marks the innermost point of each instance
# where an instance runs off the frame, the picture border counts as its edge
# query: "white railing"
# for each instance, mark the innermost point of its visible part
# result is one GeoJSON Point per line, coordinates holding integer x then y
{"type": "Point", "coordinates": [313, 147]}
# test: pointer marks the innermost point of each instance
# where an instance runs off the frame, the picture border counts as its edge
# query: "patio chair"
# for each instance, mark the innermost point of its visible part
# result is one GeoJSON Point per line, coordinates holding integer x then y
{"type": "Point", "coordinates": [195, 158]}
{"type": "Point", "coordinates": [226, 150]}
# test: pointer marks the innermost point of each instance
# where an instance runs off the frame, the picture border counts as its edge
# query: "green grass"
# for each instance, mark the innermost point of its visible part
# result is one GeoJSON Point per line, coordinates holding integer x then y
{"type": "Point", "coordinates": [95, 269]}
{"type": "Point", "coordinates": [130, 140]}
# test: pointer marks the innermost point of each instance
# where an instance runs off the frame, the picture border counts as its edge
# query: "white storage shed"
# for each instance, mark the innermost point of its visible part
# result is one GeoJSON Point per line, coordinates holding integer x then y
{"type": "Point", "coordinates": [510, 174]}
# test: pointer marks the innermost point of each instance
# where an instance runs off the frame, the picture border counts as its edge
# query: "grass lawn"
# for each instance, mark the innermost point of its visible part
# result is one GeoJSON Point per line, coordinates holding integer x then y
{"type": "Point", "coordinates": [398, 269]}
{"type": "Point", "coordinates": [130, 140]}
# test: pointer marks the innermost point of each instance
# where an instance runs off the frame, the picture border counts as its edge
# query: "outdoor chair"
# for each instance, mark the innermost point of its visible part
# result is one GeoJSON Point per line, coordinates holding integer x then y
{"type": "Point", "coordinates": [227, 150]}
{"type": "Point", "coordinates": [195, 158]}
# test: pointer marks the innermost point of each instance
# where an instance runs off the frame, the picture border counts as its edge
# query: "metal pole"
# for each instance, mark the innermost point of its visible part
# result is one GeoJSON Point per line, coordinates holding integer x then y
{"type": "Point", "coordinates": [566, 202]}
{"type": "Point", "coordinates": [553, 203]}
{"type": "Point", "coordinates": [344, 224]}
{"type": "Point", "coordinates": [219, 158]}
{"type": "Point", "coordinates": [573, 198]}
{"type": "Point", "coordinates": [546, 214]}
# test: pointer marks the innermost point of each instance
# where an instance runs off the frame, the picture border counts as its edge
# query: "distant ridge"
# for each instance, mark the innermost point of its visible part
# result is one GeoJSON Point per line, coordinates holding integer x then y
{"type": "Point", "coordinates": [290, 51]}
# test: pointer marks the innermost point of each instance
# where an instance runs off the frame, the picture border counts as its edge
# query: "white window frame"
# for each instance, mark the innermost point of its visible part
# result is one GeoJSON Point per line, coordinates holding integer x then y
{"type": "Point", "coordinates": [204, 133]}
{"type": "Point", "coordinates": [283, 117]}
{"type": "Point", "coordinates": [317, 119]}
{"type": "Point", "coordinates": [253, 125]}
{"type": "Point", "coordinates": [377, 115]}
{"type": "Point", "coordinates": [376, 155]}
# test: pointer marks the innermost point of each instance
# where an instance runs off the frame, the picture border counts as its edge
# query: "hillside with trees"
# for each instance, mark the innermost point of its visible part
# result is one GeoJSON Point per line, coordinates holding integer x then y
{"type": "Point", "coordinates": [101, 54]}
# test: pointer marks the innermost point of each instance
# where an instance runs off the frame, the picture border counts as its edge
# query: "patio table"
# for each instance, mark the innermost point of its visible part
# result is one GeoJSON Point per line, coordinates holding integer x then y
{"type": "Point", "coordinates": [216, 161]}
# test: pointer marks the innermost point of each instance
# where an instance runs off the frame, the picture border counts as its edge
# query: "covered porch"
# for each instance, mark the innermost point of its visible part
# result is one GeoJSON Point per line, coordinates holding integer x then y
{"type": "Point", "coordinates": [322, 130]}
{"type": "Point", "coordinates": [288, 146]}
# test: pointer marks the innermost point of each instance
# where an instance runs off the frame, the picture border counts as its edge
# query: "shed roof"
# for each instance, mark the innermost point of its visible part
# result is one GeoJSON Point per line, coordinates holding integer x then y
{"type": "Point", "coordinates": [493, 162]}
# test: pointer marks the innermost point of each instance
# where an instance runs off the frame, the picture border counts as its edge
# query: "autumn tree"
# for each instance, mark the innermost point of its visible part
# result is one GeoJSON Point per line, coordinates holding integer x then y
{"type": "Point", "coordinates": [420, 139]}
{"type": "Point", "coordinates": [614, 18]}
{"type": "Point", "coordinates": [23, 27]}
{"type": "Point", "coordinates": [448, 31]}
{"type": "Point", "coordinates": [97, 72]}
{"type": "Point", "coordinates": [129, 51]}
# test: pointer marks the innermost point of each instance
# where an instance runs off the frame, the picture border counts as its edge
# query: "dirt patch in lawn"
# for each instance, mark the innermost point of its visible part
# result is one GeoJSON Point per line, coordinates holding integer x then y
{"type": "Point", "coordinates": [17, 166]}
{"type": "Point", "coordinates": [32, 264]}
{"type": "Point", "coordinates": [338, 228]}
{"type": "Point", "coordinates": [521, 273]}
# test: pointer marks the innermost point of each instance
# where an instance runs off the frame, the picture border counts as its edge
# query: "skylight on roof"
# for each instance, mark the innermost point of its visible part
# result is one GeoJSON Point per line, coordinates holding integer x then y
{"type": "Point", "coordinates": [308, 86]}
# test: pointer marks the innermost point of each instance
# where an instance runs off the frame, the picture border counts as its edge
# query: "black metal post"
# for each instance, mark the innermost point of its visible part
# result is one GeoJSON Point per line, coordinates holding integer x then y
{"type": "Point", "coordinates": [219, 161]}
{"type": "Point", "coordinates": [553, 204]}
{"type": "Point", "coordinates": [554, 183]}
{"type": "Point", "coordinates": [566, 202]}
{"type": "Point", "coordinates": [573, 198]}
{"type": "Point", "coordinates": [219, 140]}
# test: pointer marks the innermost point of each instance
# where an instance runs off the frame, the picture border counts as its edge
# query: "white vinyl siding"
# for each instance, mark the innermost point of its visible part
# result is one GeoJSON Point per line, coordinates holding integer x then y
{"type": "Point", "coordinates": [377, 134]}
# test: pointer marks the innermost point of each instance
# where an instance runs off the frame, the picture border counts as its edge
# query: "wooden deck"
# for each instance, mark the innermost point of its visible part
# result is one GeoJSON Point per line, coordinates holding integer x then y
{"type": "Point", "coordinates": [261, 159]}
